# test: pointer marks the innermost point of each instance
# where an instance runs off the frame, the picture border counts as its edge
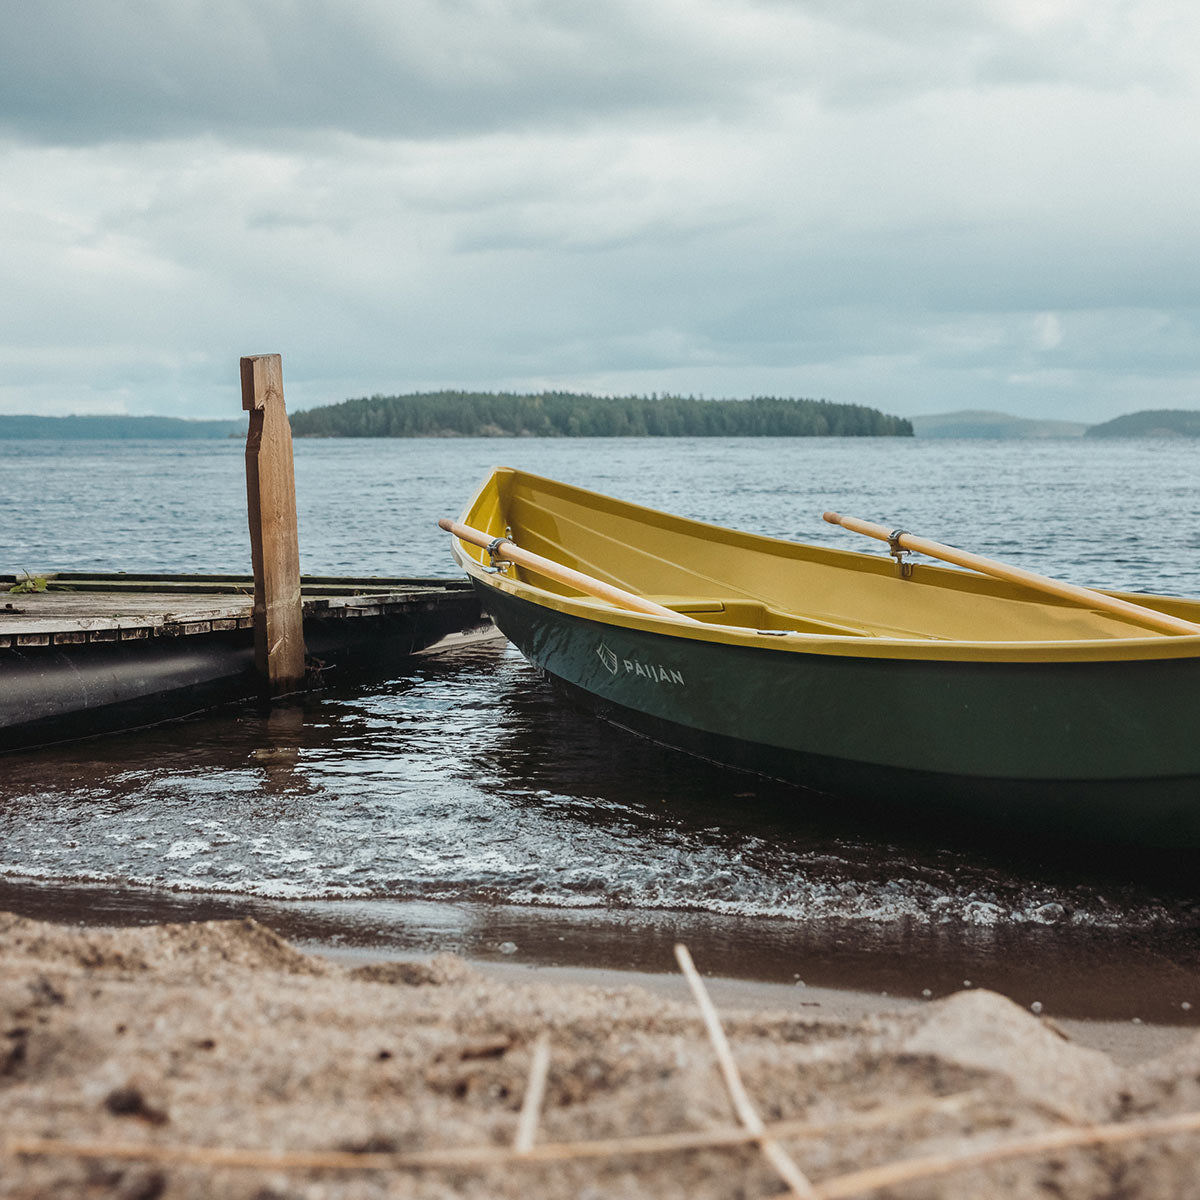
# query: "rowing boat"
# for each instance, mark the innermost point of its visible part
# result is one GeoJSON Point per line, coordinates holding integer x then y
{"type": "Point", "coordinates": [926, 690]}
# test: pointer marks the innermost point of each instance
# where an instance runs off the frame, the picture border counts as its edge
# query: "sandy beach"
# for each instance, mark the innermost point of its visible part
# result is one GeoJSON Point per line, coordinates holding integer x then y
{"type": "Point", "coordinates": [215, 1059]}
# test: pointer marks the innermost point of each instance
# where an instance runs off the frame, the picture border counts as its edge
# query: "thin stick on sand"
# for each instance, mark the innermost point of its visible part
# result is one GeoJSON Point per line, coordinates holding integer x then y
{"type": "Point", "coordinates": [535, 1089]}
{"type": "Point", "coordinates": [746, 1112]}
{"type": "Point", "coordinates": [839, 1187]}
{"type": "Point", "coordinates": [861, 1183]}
{"type": "Point", "coordinates": [460, 1157]}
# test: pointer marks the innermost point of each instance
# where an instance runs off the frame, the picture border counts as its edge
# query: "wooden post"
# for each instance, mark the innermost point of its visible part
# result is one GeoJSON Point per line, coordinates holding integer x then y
{"type": "Point", "coordinates": [274, 541]}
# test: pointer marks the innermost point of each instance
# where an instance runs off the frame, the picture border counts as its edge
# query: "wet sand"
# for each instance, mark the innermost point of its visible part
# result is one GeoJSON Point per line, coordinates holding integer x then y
{"type": "Point", "coordinates": [221, 1035]}
{"type": "Point", "coordinates": [1121, 994]}
{"type": "Point", "coordinates": [1126, 1042]}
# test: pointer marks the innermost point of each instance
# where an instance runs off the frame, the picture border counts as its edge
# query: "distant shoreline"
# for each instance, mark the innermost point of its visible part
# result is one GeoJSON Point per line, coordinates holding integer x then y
{"type": "Point", "coordinates": [115, 428]}
{"type": "Point", "coordinates": [1157, 424]}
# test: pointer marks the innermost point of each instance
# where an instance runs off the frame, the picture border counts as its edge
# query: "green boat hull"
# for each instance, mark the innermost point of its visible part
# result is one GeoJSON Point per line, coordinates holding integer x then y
{"type": "Point", "coordinates": [1100, 750]}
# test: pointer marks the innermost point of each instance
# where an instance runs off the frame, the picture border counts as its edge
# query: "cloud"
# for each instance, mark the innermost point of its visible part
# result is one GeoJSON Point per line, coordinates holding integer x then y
{"type": "Point", "coordinates": [423, 69]}
{"type": "Point", "coordinates": [949, 206]}
{"type": "Point", "coordinates": [434, 68]}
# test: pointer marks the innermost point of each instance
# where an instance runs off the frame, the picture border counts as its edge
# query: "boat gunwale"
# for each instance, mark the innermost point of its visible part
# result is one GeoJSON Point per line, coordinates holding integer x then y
{"type": "Point", "coordinates": [1149, 645]}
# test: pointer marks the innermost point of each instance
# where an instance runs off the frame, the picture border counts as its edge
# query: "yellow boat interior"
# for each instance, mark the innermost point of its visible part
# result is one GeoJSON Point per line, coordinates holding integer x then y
{"type": "Point", "coordinates": [737, 582]}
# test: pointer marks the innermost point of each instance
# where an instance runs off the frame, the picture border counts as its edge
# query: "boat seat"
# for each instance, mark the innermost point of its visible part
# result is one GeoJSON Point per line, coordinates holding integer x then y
{"type": "Point", "coordinates": [753, 614]}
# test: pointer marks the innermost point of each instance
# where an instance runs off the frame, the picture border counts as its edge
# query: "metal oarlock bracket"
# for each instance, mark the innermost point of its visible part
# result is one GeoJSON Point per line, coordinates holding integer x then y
{"type": "Point", "coordinates": [497, 564]}
{"type": "Point", "coordinates": [899, 553]}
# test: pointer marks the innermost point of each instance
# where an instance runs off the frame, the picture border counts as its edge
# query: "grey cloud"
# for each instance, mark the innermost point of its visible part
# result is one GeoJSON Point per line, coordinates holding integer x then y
{"type": "Point", "coordinates": [689, 232]}
{"type": "Point", "coordinates": [909, 49]}
{"type": "Point", "coordinates": [116, 70]}
{"type": "Point", "coordinates": [121, 70]}
{"type": "Point", "coordinates": [723, 196]}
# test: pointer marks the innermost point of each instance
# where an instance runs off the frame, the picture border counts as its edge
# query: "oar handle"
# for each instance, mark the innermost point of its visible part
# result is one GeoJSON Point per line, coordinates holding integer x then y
{"type": "Point", "coordinates": [547, 567]}
{"type": "Point", "coordinates": [987, 566]}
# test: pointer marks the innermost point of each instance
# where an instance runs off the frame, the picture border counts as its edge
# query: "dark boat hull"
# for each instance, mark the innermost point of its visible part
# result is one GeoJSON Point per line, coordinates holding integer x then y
{"type": "Point", "coordinates": [1098, 749]}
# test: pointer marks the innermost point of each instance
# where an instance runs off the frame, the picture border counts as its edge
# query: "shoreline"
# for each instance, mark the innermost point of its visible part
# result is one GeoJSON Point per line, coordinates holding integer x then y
{"type": "Point", "coordinates": [849, 981]}
{"type": "Point", "coordinates": [1125, 1042]}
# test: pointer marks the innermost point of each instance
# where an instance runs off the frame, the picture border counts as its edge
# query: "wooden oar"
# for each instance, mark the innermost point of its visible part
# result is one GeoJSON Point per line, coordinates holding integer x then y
{"type": "Point", "coordinates": [503, 548]}
{"type": "Point", "coordinates": [987, 566]}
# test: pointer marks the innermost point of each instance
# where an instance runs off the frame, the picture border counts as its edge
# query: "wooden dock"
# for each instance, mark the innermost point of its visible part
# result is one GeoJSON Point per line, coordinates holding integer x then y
{"type": "Point", "coordinates": [78, 608]}
{"type": "Point", "coordinates": [98, 653]}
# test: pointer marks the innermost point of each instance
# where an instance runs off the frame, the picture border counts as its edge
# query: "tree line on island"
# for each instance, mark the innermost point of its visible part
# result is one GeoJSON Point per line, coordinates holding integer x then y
{"type": "Point", "coordinates": [569, 414]}
{"type": "Point", "coordinates": [1150, 423]}
{"type": "Point", "coordinates": [559, 414]}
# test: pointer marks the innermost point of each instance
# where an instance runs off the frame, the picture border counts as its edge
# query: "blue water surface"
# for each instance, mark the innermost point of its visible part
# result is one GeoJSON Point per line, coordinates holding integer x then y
{"type": "Point", "coordinates": [462, 785]}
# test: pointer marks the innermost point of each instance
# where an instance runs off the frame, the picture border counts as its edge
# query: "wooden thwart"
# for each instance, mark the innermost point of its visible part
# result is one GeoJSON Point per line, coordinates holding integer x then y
{"type": "Point", "coordinates": [1087, 597]}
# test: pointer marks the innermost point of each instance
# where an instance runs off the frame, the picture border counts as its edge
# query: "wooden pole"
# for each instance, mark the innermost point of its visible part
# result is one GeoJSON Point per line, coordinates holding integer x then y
{"type": "Point", "coordinates": [274, 540]}
{"type": "Point", "coordinates": [1150, 617]}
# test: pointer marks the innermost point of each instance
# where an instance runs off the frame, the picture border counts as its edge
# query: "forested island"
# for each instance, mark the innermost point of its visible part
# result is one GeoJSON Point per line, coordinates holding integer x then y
{"type": "Point", "coordinates": [570, 414]}
{"type": "Point", "coordinates": [1154, 423]}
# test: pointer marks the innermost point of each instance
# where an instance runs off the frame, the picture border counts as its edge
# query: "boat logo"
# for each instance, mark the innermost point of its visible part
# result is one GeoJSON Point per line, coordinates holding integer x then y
{"type": "Point", "coordinates": [608, 658]}
{"type": "Point", "coordinates": [632, 666]}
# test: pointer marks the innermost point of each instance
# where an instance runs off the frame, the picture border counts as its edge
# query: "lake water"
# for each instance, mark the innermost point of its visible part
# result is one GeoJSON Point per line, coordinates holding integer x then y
{"type": "Point", "coordinates": [459, 806]}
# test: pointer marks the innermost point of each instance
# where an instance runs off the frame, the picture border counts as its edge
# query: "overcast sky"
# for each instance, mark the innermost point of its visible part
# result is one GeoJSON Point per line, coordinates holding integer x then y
{"type": "Point", "coordinates": [922, 206]}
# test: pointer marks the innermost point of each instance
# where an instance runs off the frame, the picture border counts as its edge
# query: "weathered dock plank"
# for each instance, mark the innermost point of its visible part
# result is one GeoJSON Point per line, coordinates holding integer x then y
{"type": "Point", "coordinates": [94, 653]}
{"type": "Point", "coordinates": [75, 608]}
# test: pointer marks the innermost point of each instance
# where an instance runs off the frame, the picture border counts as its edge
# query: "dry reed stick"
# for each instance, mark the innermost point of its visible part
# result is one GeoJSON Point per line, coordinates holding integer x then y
{"type": "Point", "coordinates": [858, 1183]}
{"type": "Point", "coordinates": [535, 1089]}
{"type": "Point", "coordinates": [774, 1153]}
{"type": "Point", "coordinates": [840, 1187]}
{"type": "Point", "coordinates": [474, 1156]}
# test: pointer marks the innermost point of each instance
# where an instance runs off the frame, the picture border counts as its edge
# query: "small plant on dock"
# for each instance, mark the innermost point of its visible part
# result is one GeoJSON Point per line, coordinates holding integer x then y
{"type": "Point", "coordinates": [31, 583]}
